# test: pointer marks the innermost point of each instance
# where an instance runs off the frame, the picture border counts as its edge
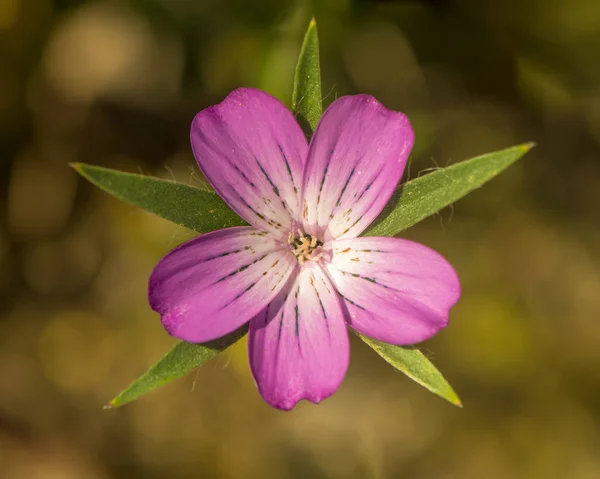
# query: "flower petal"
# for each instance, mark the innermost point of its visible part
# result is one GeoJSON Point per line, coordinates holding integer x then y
{"type": "Point", "coordinates": [216, 282]}
{"type": "Point", "coordinates": [356, 158]}
{"type": "Point", "coordinates": [394, 290]}
{"type": "Point", "coordinates": [298, 346]}
{"type": "Point", "coordinates": [252, 151]}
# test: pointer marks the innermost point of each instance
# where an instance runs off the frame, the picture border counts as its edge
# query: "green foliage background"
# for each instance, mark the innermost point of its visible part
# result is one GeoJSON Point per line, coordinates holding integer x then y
{"type": "Point", "coordinates": [117, 83]}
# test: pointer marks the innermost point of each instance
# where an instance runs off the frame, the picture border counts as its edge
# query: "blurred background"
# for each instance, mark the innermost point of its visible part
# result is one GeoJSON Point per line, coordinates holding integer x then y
{"type": "Point", "coordinates": [116, 83]}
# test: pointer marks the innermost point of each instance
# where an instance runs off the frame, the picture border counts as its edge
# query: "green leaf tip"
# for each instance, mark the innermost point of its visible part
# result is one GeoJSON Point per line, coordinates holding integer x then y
{"type": "Point", "coordinates": [199, 210]}
{"type": "Point", "coordinates": [178, 362]}
{"type": "Point", "coordinates": [417, 199]}
{"type": "Point", "coordinates": [306, 95]}
{"type": "Point", "coordinates": [528, 146]}
{"type": "Point", "coordinates": [78, 167]}
{"type": "Point", "coordinates": [412, 362]}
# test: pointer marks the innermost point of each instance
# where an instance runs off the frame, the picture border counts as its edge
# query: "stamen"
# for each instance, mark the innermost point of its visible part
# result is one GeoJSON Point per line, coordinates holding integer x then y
{"type": "Point", "coordinates": [305, 247]}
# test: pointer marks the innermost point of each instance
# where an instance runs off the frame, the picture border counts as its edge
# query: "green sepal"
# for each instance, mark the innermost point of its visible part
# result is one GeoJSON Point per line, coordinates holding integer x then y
{"type": "Point", "coordinates": [200, 210]}
{"type": "Point", "coordinates": [182, 359]}
{"type": "Point", "coordinates": [306, 96]}
{"type": "Point", "coordinates": [417, 199]}
{"type": "Point", "coordinates": [416, 366]}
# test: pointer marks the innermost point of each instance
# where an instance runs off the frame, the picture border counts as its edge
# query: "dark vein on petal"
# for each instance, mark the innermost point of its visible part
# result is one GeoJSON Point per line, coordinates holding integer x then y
{"type": "Point", "coordinates": [324, 177]}
{"type": "Point", "coordinates": [365, 190]}
{"type": "Point", "coordinates": [215, 147]}
{"type": "Point", "coordinates": [277, 284]}
{"type": "Point", "coordinates": [297, 321]}
{"type": "Point", "coordinates": [297, 313]}
{"type": "Point", "coordinates": [281, 277]}
{"type": "Point", "coordinates": [275, 189]}
{"type": "Point", "coordinates": [247, 205]}
{"type": "Point", "coordinates": [243, 175]}
{"type": "Point", "coordinates": [243, 292]}
{"type": "Point", "coordinates": [339, 200]}
{"type": "Point", "coordinates": [325, 284]}
{"type": "Point", "coordinates": [242, 268]}
{"type": "Point", "coordinates": [281, 319]}
{"type": "Point", "coordinates": [312, 282]}
{"type": "Point", "coordinates": [240, 172]}
{"type": "Point", "coordinates": [322, 183]}
{"type": "Point", "coordinates": [352, 226]}
{"type": "Point", "coordinates": [374, 281]}
{"type": "Point", "coordinates": [288, 168]}
{"type": "Point", "coordinates": [370, 205]}
{"type": "Point", "coordinates": [259, 215]}
{"type": "Point", "coordinates": [351, 302]}
{"type": "Point", "coordinates": [227, 253]}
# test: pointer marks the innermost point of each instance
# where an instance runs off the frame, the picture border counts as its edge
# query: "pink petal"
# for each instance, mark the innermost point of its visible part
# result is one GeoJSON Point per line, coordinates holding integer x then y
{"type": "Point", "coordinates": [298, 346]}
{"type": "Point", "coordinates": [252, 151]}
{"type": "Point", "coordinates": [394, 290]}
{"type": "Point", "coordinates": [356, 158]}
{"type": "Point", "coordinates": [216, 282]}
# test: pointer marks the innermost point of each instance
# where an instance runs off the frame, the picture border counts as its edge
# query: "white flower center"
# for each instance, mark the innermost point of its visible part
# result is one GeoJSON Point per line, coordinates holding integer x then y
{"type": "Point", "coordinates": [305, 247]}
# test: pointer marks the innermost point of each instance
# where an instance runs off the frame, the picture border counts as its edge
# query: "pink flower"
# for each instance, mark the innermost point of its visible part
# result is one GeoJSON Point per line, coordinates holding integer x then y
{"type": "Point", "coordinates": [299, 273]}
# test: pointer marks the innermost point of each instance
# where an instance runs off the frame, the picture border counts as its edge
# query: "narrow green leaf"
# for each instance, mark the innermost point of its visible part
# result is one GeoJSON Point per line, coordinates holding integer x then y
{"type": "Point", "coordinates": [199, 210]}
{"type": "Point", "coordinates": [424, 196]}
{"type": "Point", "coordinates": [179, 361]}
{"type": "Point", "coordinates": [416, 366]}
{"type": "Point", "coordinates": [306, 97]}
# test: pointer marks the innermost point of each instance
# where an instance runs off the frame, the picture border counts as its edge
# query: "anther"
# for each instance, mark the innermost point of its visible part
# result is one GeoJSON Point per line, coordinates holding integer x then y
{"type": "Point", "coordinates": [304, 247]}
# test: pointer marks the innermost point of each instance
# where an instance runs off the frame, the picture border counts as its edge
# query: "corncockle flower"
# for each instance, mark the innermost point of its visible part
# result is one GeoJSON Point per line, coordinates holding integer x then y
{"type": "Point", "coordinates": [299, 273]}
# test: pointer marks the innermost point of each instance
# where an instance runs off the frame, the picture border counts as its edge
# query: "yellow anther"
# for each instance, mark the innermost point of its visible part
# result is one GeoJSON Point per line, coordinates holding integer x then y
{"type": "Point", "coordinates": [305, 247]}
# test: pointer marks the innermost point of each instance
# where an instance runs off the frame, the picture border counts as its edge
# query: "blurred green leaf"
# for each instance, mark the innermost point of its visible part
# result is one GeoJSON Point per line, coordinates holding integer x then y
{"type": "Point", "coordinates": [306, 97]}
{"type": "Point", "coordinates": [416, 366]}
{"type": "Point", "coordinates": [199, 210]}
{"type": "Point", "coordinates": [424, 196]}
{"type": "Point", "coordinates": [179, 361]}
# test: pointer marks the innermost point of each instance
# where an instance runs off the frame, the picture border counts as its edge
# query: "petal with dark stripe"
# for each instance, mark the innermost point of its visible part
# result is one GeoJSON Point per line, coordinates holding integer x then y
{"type": "Point", "coordinates": [356, 158]}
{"type": "Point", "coordinates": [252, 151]}
{"type": "Point", "coordinates": [216, 282]}
{"type": "Point", "coordinates": [394, 290]}
{"type": "Point", "coordinates": [298, 346]}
